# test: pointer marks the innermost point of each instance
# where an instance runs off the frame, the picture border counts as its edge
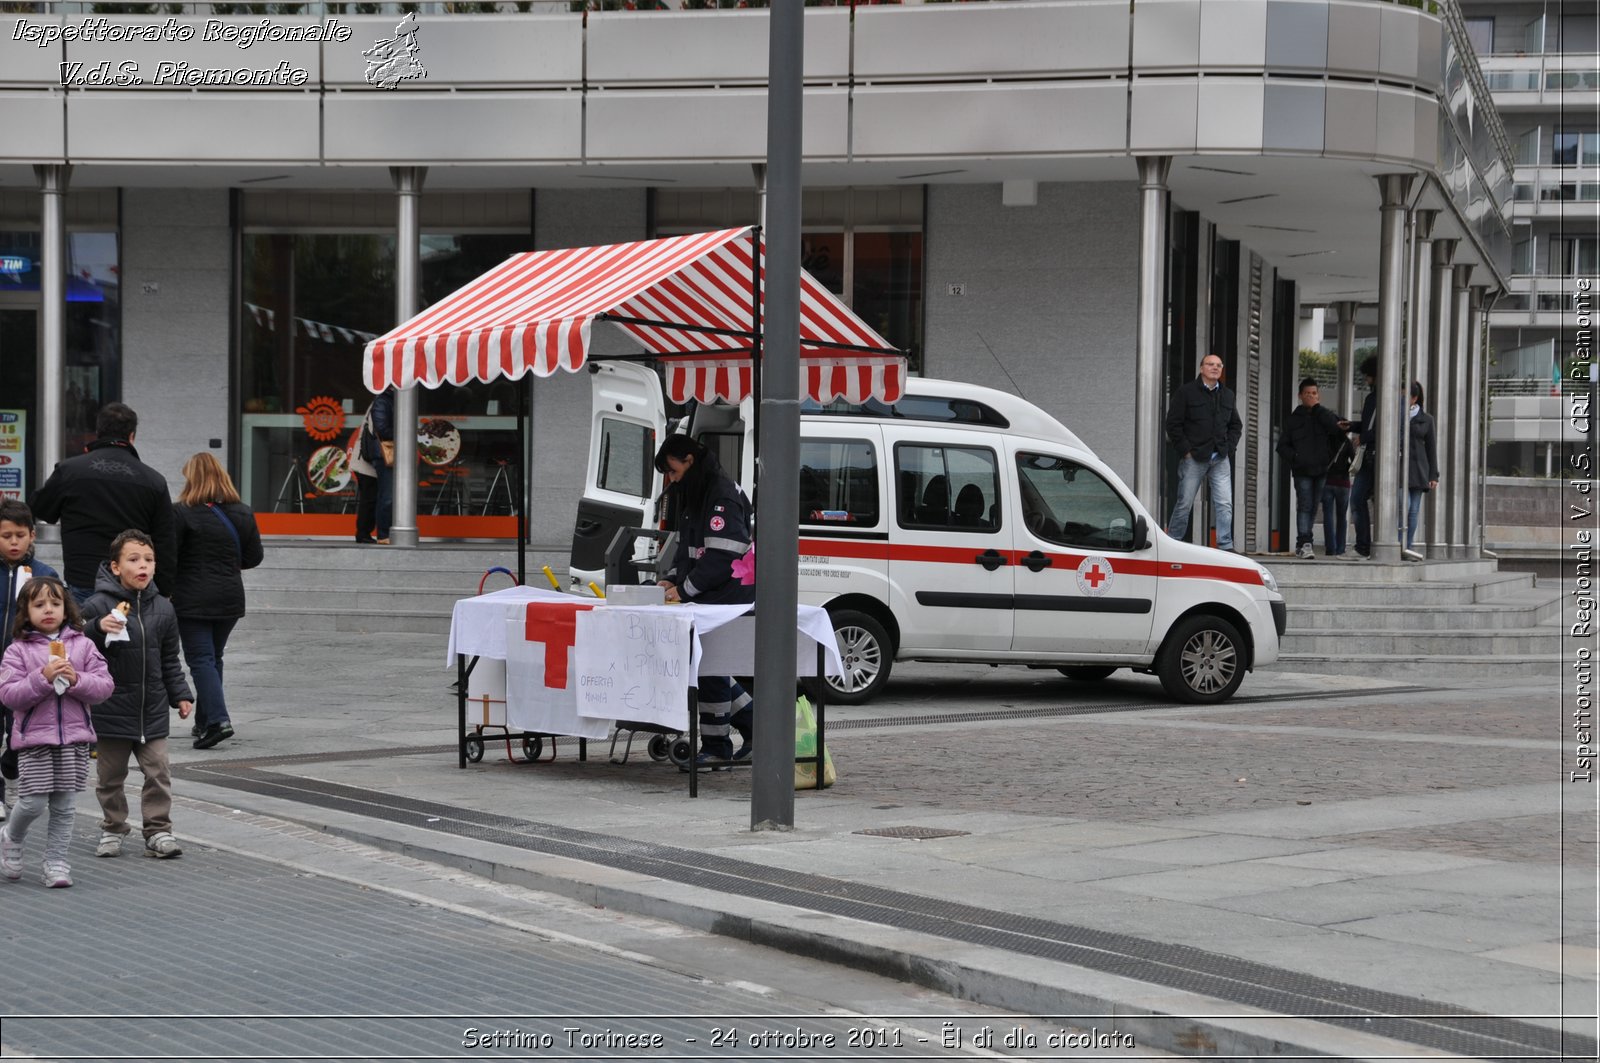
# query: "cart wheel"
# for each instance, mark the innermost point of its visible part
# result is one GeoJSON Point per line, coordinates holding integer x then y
{"type": "Point", "coordinates": [660, 748]}
{"type": "Point", "coordinates": [474, 748]}
{"type": "Point", "coordinates": [680, 753]}
{"type": "Point", "coordinates": [532, 746]}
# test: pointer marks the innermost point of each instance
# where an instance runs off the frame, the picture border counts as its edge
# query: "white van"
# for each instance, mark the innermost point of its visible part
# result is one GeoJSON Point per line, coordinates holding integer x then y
{"type": "Point", "coordinates": [959, 524]}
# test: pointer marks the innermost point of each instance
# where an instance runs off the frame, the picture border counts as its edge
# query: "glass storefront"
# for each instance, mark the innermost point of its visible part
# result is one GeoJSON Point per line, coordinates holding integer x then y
{"type": "Point", "coordinates": [310, 303]}
{"type": "Point", "coordinates": [93, 357]}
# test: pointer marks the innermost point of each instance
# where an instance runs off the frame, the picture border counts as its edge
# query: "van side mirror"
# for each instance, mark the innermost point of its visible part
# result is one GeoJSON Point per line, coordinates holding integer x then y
{"type": "Point", "coordinates": [1141, 533]}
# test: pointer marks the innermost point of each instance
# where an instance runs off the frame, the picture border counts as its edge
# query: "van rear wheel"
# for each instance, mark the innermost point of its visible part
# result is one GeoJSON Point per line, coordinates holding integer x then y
{"type": "Point", "coordinates": [1087, 673]}
{"type": "Point", "coordinates": [1202, 661]}
{"type": "Point", "coordinates": [868, 657]}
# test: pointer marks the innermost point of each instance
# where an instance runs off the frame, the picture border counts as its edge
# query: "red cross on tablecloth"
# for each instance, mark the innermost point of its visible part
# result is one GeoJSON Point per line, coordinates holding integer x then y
{"type": "Point", "coordinates": [556, 625]}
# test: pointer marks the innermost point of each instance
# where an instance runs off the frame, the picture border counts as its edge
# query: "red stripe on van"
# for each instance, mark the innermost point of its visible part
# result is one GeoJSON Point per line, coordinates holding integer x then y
{"type": "Point", "coordinates": [967, 555]}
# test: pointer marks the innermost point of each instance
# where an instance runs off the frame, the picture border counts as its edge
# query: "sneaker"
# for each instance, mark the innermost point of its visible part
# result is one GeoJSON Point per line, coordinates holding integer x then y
{"type": "Point", "coordinates": [707, 762]}
{"type": "Point", "coordinates": [57, 875]}
{"type": "Point", "coordinates": [215, 734]}
{"type": "Point", "coordinates": [744, 752]}
{"type": "Point", "coordinates": [1412, 555]}
{"type": "Point", "coordinates": [10, 856]}
{"type": "Point", "coordinates": [162, 846]}
{"type": "Point", "coordinates": [1305, 552]}
{"type": "Point", "coordinates": [197, 730]}
{"type": "Point", "coordinates": [110, 844]}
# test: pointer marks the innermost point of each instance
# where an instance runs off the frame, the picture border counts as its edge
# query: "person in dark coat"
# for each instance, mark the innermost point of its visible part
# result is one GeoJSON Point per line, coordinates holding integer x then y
{"type": "Point", "coordinates": [1203, 424]}
{"type": "Point", "coordinates": [99, 493]}
{"type": "Point", "coordinates": [217, 541]}
{"type": "Point", "coordinates": [374, 472]}
{"type": "Point", "coordinates": [1422, 460]}
{"type": "Point", "coordinates": [149, 679]}
{"type": "Point", "coordinates": [713, 532]}
{"type": "Point", "coordinates": [1366, 477]}
{"type": "Point", "coordinates": [1312, 435]}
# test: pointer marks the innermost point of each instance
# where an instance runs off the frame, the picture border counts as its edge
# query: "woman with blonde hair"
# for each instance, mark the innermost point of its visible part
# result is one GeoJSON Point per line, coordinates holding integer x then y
{"type": "Point", "coordinates": [217, 541]}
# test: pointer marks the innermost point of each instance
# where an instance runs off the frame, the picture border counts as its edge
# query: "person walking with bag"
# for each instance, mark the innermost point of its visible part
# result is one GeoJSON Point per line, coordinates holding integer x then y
{"type": "Point", "coordinates": [1422, 465]}
{"type": "Point", "coordinates": [217, 540]}
{"type": "Point", "coordinates": [374, 470]}
{"type": "Point", "coordinates": [1311, 437]}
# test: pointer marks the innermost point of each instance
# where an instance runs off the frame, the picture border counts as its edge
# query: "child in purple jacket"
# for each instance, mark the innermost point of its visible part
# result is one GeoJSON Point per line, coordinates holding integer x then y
{"type": "Point", "coordinates": [50, 675]}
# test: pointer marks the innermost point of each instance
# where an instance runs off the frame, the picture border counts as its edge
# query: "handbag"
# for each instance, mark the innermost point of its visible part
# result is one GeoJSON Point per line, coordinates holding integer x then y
{"type": "Point", "coordinates": [1359, 460]}
{"type": "Point", "coordinates": [388, 450]}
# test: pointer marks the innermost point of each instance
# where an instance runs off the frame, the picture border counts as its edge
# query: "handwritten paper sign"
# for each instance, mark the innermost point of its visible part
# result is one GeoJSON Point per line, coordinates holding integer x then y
{"type": "Point", "coordinates": [633, 665]}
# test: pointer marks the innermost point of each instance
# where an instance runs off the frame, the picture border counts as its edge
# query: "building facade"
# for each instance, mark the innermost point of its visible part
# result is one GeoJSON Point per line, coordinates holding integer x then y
{"type": "Point", "coordinates": [1542, 64]}
{"type": "Point", "coordinates": [980, 179]}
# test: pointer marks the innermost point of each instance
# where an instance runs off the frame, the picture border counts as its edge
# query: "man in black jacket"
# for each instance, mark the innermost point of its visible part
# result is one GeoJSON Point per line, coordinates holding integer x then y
{"type": "Point", "coordinates": [1203, 423]}
{"type": "Point", "coordinates": [98, 494]}
{"type": "Point", "coordinates": [1312, 435]}
{"type": "Point", "coordinates": [1365, 480]}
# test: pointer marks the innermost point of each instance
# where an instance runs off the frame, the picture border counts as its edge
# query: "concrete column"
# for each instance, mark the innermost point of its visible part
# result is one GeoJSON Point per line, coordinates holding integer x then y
{"type": "Point", "coordinates": [1154, 201]}
{"type": "Point", "coordinates": [52, 389]}
{"type": "Point", "coordinates": [1475, 416]}
{"type": "Point", "coordinates": [1419, 352]}
{"type": "Point", "coordinates": [407, 299]}
{"type": "Point", "coordinates": [1436, 389]}
{"type": "Point", "coordinates": [1459, 474]}
{"type": "Point", "coordinates": [1346, 398]}
{"type": "Point", "coordinates": [1393, 187]}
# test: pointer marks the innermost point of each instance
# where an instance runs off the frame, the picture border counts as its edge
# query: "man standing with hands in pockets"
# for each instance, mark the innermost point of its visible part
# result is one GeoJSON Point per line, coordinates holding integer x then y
{"type": "Point", "coordinates": [1203, 423]}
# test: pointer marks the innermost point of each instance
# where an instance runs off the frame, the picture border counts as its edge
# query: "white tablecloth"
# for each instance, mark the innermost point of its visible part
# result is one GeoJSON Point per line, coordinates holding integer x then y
{"type": "Point", "coordinates": [723, 644]}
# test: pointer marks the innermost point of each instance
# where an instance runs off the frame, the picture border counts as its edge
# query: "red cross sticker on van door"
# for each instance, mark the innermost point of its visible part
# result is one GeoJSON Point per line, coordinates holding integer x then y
{"type": "Point", "coordinates": [1095, 576]}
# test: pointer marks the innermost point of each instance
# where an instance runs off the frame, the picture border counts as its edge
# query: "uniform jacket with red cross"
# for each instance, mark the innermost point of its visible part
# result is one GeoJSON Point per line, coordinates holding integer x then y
{"type": "Point", "coordinates": [710, 540]}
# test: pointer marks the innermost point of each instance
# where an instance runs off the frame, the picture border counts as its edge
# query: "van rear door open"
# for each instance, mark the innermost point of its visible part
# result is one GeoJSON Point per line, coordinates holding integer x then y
{"type": "Point", "coordinates": [627, 424]}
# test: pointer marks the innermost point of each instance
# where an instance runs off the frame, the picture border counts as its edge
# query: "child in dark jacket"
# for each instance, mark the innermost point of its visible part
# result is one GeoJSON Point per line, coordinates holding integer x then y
{"type": "Point", "coordinates": [49, 676]}
{"type": "Point", "coordinates": [19, 566]}
{"type": "Point", "coordinates": [138, 632]}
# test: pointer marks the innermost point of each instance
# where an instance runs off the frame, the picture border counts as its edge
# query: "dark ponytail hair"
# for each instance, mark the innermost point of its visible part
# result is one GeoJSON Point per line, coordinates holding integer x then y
{"type": "Point", "coordinates": [1417, 394]}
{"type": "Point", "coordinates": [691, 490]}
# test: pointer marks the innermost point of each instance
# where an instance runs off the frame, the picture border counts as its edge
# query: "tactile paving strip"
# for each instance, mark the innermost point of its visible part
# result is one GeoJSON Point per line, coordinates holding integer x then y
{"type": "Point", "coordinates": [1417, 1021]}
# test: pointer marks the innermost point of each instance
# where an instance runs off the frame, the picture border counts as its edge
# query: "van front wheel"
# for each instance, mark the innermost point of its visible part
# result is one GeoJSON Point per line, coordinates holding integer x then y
{"type": "Point", "coordinates": [1202, 661]}
{"type": "Point", "coordinates": [868, 657]}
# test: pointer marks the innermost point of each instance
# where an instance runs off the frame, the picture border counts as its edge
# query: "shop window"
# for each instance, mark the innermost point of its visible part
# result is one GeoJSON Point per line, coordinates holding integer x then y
{"type": "Point", "coordinates": [839, 483]}
{"type": "Point", "coordinates": [92, 364]}
{"type": "Point", "coordinates": [311, 301]}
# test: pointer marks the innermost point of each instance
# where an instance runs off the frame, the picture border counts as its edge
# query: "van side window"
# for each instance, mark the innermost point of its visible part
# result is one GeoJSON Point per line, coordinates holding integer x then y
{"type": "Point", "coordinates": [839, 483]}
{"type": "Point", "coordinates": [957, 488]}
{"type": "Point", "coordinates": [1067, 503]}
{"type": "Point", "coordinates": [627, 457]}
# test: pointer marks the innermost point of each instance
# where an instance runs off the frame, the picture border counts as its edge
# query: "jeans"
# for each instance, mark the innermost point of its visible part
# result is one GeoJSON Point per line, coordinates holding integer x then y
{"type": "Point", "coordinates": [385, 499]}
{"type": "Point", "coordinates": [203, 643]}
{"type": "Point", "coordinates": [1307, 493]}
{"type": "Point", "coordinates": [1413, 508]}
{"type": "Point", "coordinates": [1335, 500]}
{"type": "Point", "coordinates": [80, 594]}
{"type": "Point", "coordinates": [723, 703]}
{"type": "Point", "coordinates": [1361, 509]}
{"type": "Point", "coordinates": [1218, 473]}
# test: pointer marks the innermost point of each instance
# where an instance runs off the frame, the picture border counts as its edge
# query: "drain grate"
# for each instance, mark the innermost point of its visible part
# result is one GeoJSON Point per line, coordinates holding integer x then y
{"type": "Point", "coordinates": [1434, 1024]}
{"type": "Point", "coordinates": [911, 832]}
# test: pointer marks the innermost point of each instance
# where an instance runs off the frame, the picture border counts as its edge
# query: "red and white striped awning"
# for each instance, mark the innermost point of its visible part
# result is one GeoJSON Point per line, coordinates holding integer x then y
{"type": "Point", "coordinates": [533, 314]}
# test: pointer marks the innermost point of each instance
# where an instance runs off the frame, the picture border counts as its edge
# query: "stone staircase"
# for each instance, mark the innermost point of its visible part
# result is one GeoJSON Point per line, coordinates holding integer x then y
{"type": "Point", "coordinates": [1461, 618]}
{"type": "Point", "coordinates": [323, 586]}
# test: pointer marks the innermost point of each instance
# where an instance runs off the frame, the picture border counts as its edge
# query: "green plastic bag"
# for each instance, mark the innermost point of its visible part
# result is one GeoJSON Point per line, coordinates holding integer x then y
{"type": "Point", "coordinates": [805, 746]}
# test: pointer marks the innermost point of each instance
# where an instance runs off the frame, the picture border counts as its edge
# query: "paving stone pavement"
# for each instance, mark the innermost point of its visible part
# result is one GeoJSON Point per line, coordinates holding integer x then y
{"type": "Point", "coordinates": [1403, 840]}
